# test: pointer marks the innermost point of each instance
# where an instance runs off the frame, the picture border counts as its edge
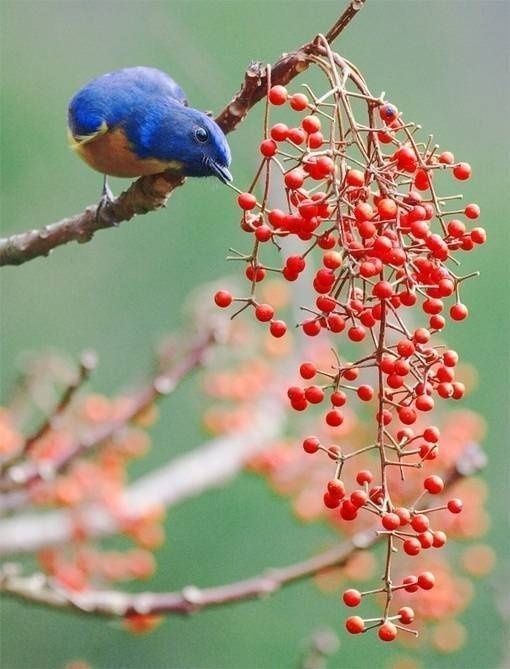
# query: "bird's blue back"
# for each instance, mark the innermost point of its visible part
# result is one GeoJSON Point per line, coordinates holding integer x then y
{"type": "Point", "coordinates": [113, 97]}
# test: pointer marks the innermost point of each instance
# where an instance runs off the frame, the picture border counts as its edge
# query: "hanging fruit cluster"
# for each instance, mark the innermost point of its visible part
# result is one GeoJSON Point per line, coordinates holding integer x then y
{"type": "Point", "coordinates": [367, 205]}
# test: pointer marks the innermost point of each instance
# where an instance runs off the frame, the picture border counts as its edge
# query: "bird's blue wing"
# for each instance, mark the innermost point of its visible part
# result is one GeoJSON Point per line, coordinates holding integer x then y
{"type": "Point", "coordinates": [108, 101]}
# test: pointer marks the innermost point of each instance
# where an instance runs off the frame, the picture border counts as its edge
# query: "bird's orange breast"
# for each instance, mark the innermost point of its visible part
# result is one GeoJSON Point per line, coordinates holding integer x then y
{"type": "Point", "coordinates": [110, 153]}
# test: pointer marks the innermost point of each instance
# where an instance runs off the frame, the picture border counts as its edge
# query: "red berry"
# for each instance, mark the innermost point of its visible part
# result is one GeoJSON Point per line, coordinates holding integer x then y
{"type": "Point", "coordinates": [311, 124]}
{"type": "Point", "coordinates": [462, 171]}
{"type": "Point", "coordinates": [311, 327]}
{"type": "Point", "coordinates": [338, 398]}
{"type": "Point", "coordinates": [363, 212]}
{"type": "Point", "coordinates": [294, 179]}
{"type": "Point", "coordinates": [364, 476]}
{"type": "Point", "coordinates": [351, 597]}
{"type": "Point", "coordinates": [263, 233]}
{"type": "Point", "coordinates": [459, 390]}
{"type": "Point", "coordinates": [279, 132]}
{"type": "Point", "coordinates": [404, 514]}
{"type": "Point", "coordinates": [406, 158]}
{"type": "Point", "coordinates": [411, 583]}
{"type": "Point", "coordinates": [387, 631]}
{"type": "Point", "coordinates": [355, 178]}
{"type": "Point", "coordinates": [446, 158]}
{"type": "Point", "coordinates": [365, 393]}
{"type": "Point", "coordinates": [459, 311]}
{"type": "Point", "coordinates": [450, 358]}
{"type": "Point", "coordinates": [406, 415]}
{"type": "Point", "coordinates": [438, 539]}
{"type": "Point", "coordinates": [307, 370]}
{"type": "Point", "coordinates": [295, 263]}
{"type": "Point", "coordinates": [268, 148]}
{"type": "Point", "coordinates": [311, 445]}
{"type": "Point", "coordinates": [348, 511]}
{"type": "Point", "coordinates": [278, 328]}
{"type": "Point", "coordinates": [334, 452]}
{"type": "Point", "coordinates": [334, 418]}
{"type": "Point", "coordinates": [405, 348]}
{"type": "Point", "coordinates": [223, 298]}
{"type": "Point", "coordinates": [277, 95]}
{"type": "Point", "coordinates": [478, 235]}
{"type": "Point", "coordinates": [455, 228]}
{"type": "Point", "coordinates": [359, 498]}
{"type": "Point", "coordinates": [355, 625]}
{"type": "Point", "coordinates": [420, 522]}
{"type": "Point", "coordinates": [424, 403]}
{"type": "Point", "coordinates": [412, 546]}
{"type": "Point", "coordinates": [387, 208]}
{"type": "Point", "coordinates": [390, 521]}
{"type": "Point", "coordinates": [325, 165]}
{"type": "Point", "coordinates": [384, 137]}
{"type": "Point", "coordinates": [298, 101]}
{"type": "Point", "coordinates": [433, 484]}
{"type": "Point", "coordinates": [315, 140]}
{"type": "Point", "coordinates": [330, 502]}
{"type": "Point", "coordinates": [255, 273]}
{"type": "Point", "coordinates": [264, 312]}
{"type": "Point", "coordinates": [455, 505]}
{"type": "Point", "coordinates": [426, 580]}
{"type": "Point", "coordinates": [421, 336]}
{"type": "Point", "coordinates": [472, 211]}
{"type": "Point", "coordinates": [326, 304]}
{"type": "Point", "coordinates": [356, 333]}
{"type": "Point", "coordinates": [376, 494]}
{"type": "Point", "coordinates": [431, 434]}
{"type": "Point", "coordinates": [422, 180]}
{"type": "Point", "coordinates": [336, 488]}
{"type": "Point", "coordinates": [296, 135]}
{"type": "Point", "coordinates": [246, 201]}
{"type": "Point", "coordinates": [383, 290]}
{"type": "Point", "coordinates": [314, 394]}
{"type": "Point", "coordinates": [406, 615]}
{"type": "Point", "coordinates": [335, 323]}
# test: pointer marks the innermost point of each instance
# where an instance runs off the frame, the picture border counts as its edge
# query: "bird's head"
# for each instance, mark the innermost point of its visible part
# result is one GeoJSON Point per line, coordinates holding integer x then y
{"type": "Point", "coordinates": [207, 152]}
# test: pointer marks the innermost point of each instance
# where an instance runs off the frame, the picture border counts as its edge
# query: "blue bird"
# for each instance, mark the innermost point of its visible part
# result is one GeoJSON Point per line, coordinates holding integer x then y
{"type": "Point", "coordinates": [135, 121]}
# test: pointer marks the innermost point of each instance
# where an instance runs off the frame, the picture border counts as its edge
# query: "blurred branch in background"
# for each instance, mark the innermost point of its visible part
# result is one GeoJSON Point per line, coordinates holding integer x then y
{"type": "Point", "coordinates": [14, 476]}
{"type": "Point", "coordinates": [208, 466]}
{"type": "Point", "coordinates": [152, 192]}
{"type": "Point", "coordinates": [40, 589]}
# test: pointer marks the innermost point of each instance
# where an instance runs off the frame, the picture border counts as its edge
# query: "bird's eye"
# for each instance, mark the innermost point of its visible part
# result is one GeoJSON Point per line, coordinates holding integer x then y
{"type": "Point", "coordinates": [201, 134]}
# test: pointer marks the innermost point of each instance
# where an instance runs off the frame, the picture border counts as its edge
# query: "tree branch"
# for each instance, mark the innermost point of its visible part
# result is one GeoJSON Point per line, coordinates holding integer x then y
{"type": "Point", "coordinates": [41, 590]}
{"type": "Point", "coordinates": [27, 473]}
{"type": "Point", "coordinates": [209, 466]}
{"type": "Point", "coordinates": [152, 192]}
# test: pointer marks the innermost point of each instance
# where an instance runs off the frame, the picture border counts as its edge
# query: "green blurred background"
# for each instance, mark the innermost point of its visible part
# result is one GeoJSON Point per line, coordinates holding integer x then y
{"type": "Point", "coordinates": [445, 64]}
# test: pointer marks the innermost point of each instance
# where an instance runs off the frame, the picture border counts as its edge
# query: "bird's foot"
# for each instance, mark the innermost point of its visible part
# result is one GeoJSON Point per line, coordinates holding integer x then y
{"type": "Point", "coordinates": [107, 199]}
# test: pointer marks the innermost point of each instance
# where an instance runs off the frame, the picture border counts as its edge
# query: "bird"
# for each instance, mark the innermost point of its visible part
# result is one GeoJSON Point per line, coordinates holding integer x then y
{"type": "Point", "coordinates": [136, 121]}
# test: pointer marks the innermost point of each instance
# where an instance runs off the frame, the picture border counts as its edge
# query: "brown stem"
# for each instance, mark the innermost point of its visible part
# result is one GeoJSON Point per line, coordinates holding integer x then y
{"type": "Point", "coordinates": [152, 192]}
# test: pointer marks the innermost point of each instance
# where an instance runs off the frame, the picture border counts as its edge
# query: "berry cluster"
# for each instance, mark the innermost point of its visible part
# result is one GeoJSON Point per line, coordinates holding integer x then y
{"type": "Point", "coordinates": [362, 198]}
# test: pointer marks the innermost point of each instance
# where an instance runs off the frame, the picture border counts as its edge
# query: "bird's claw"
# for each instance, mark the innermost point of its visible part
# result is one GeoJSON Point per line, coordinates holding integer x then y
{"type": "Point", "coordinates": [107, 198]}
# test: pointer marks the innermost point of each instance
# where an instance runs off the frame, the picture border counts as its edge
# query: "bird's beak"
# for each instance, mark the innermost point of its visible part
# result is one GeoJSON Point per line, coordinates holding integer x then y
{"type": "Point", "coordinates": [221, 172]}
